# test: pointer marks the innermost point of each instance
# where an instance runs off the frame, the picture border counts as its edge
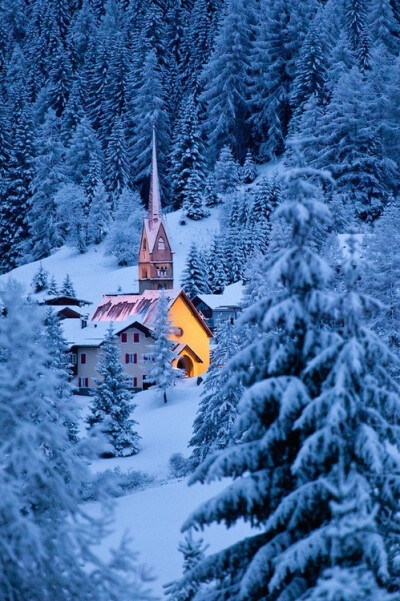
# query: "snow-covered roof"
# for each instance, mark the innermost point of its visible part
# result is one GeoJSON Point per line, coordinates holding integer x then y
{"type": "Point", "coordinates": [94, 333]}
{"type": "Point", "coordinates": [117, 307]}
{"type": "Point", "coordinates": [231, 297]}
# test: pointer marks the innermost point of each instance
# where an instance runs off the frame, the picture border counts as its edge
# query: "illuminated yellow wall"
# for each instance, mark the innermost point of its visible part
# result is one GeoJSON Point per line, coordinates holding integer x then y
{"type": "Point", "coordinates": [193, 334]}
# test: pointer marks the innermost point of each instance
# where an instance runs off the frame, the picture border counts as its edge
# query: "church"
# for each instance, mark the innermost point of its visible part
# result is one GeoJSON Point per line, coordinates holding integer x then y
{"type": "Point", "coordinates": [133, 314]}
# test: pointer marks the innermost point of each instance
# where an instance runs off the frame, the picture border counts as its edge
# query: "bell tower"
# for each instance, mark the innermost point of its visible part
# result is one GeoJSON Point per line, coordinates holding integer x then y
{"type": "Point", "coordinates": [156, 268]}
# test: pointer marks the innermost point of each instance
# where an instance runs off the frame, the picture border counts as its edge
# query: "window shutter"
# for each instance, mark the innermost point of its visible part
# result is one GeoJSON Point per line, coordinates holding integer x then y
{"type": "Point", "coordinates": [135, 358]}
{"type": "Point", "coordinates": [135, 337]}
{"type": "Point", "coordinates": [83, 358]}
{"type": "Point", "coordinates": [126, 358]}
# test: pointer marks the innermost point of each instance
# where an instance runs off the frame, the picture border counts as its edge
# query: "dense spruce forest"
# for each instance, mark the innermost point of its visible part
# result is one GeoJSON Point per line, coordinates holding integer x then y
{"type": "Point", "coordinates": [227, 84]}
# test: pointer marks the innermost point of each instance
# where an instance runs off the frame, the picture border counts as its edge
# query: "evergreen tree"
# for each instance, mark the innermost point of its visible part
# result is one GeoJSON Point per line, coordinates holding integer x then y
{"type": "Point", "coordinates": [216, 276]}
{"type": "Point", "coordinates": [147, 108]}
{"type": "Point", "coordinates": [99, 215]}
{"type": "Point", "coordinates": [187, 162]}
{"type": "Point", "coordinates": [348, 421]}
{"type": "Point", "coordinates": [40, 280]}
{"type": "Point", "coordinates": [52, 289]}
{"type": "Point", "coordinates": [213, 425]}
{"type": "Point", "coordinates": [194, 277]}
{"type": "Point", "coordinates": [112, 402]}
{"type": "Point", "coordinates": [352, 148]}
{"type": "Point", "coordinates": [356, 18]}
{"type": "Point", "coordinates": [71, 216]}
{"type": "Point", "coordinates": [118, 174]}
{"type": "Point", "coordinates": [210, 194]}
{"type": "Point", "coordinates": [249, 171]}
{"type": "Point", "coordinates": [381, 248]}
{"type": "Point", "coordinates": [161, 373]}
{"type": "Point", "coordinates": [281, 28]}
{"type": "Point", "coordinates": [17, 183]}
{"type": "Point", "coordinates": [68, 287]}
{"type": "Point", "coordinates": [311, 67]}
{"type": "Point", "coordinates": [49, 175]}
{"type": "Point", "coordinates": [224, 79]}
{"type": "Point", "coordinates": [226, 172]}
{"type": "Point", "coordinates": [275, 394]}
{"type": "Point", "coordinates": [58, 362]}
{"type": "Point", "coordinates": [193, 552]}
{"type": "Point", "coordinates": [124, 237]}
{"type": "Point", "coordinates": [82, 154]}
{"type": "Point", "coordinates": [385, 30]}
{"type": "Point", "coordinates": [50, 542]}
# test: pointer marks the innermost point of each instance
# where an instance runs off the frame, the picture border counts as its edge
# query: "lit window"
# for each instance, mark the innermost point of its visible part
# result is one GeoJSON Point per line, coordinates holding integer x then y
{"type": "Point", "coordinates": [161, 244]}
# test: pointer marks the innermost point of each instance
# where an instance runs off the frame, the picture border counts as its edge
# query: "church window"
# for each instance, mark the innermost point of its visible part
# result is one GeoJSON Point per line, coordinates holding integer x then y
{"type": "Point", "coordinates": [144, 244]}
{"type": "Point", "coordinates": [144, 274]}
{"type": "Point", "coordinates": [161, 244]}
{"type": "Point", "coordinates": [161, 272]}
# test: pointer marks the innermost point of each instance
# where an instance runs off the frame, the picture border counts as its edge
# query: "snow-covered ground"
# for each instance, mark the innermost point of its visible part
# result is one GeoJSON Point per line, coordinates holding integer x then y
{"type": "Point", "coordinates": [153, 517]}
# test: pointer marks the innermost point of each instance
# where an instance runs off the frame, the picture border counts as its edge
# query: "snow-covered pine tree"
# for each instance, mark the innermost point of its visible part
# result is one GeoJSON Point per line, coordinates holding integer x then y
{"type": "Point", "coordinates": [58, 362]}
{"type": "Point", "coordinates": [226, 173]}
{"type": "Point", "coordinates": [187, 160]}
{"type": "Point", "coordinates": [210, 195]}
{"type": "Point", "coordinates": [193, 551]}
{"type": "Point", "coordinates": [267, 195]}
{"type": "Point", "coordinates": [99, 215]}
{"type": "Point", "coordinates": [50, 543]}
{"type": "Point", "coordinates": [381, 249]}
{"type": "Point", "coordinates": [83, 151]}
{"type": "Point", "coordinates": [40, 279]}
{"type": "Point", "coordinates": [161, 372]}
{"type": "Point", "coordinates": [194, 276]}
{"type": "Point", "coordinates": [67, 287]}
{"type": "Point", "coordinates": [215, 268]}
{"type": "Point", "coordinates": [353, 526]}
{"type": "Point", "coordinates": [118, 173]}
{"type": "Point", "coordinates": [72, 216]}
{"type": "Point", "coordinates": [112, 401]}
{"type": "Point", "coordinates": [49, 175]}
{"type": "Point", "coordinates": [358, 30]}
{"type": "Point", "coordinates": [147, 108]}
{"type": "Point", "coordinates": [348, 431]}
{"type": "Point", "coordinates": [213, 425]}
{"type": "Point", "coordinates": [248, 171]}
{"type": "Point", "coordinates": [288, 340]}
{"type": "Point", "coordinates": [124, 237]}
{"type": "Point", "coordinates": [352, 147]}
{"type": "Point", "coordinates": [224, 80]}
{"type": "Point", "coordinates": [52, 289]}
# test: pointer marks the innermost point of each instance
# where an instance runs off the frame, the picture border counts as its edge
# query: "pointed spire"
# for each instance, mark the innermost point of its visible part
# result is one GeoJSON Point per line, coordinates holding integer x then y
{"type": "Point", "coordinates": [154, 195]}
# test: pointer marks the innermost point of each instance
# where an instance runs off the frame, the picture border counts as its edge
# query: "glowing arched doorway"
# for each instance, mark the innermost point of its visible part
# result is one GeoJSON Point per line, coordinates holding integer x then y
{"type": "Point", "coordinates": [186, 364]}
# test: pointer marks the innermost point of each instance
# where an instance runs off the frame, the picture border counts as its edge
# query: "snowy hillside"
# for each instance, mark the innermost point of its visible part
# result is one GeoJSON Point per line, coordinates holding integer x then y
{"type": "Point", "coordinates": [94, 273]}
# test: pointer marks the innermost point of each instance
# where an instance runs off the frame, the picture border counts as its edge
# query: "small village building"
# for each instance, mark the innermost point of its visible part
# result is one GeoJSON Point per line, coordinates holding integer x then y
{"type": "Point", "coordinates": [67, 307]}
{"type": "Point", "coordinates": [133, 314]}
{"type": "Point", "coordinates": [215, 308]}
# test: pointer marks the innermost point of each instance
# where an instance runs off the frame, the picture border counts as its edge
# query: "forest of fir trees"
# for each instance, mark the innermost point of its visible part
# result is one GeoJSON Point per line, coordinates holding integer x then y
{"type": "Point", "coordinates": [300, 409]}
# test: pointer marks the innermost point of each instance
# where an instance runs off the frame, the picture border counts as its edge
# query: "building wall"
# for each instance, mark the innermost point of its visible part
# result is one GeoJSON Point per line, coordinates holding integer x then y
{"type": "Point", "coordinates": [134, 370]}
{"type": "Point", "coordinates": [193, 333]}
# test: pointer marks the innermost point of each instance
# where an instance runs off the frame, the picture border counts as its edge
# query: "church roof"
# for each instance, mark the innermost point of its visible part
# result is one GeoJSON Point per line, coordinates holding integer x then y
{"type": "Point", "coordinates": [118, 307]}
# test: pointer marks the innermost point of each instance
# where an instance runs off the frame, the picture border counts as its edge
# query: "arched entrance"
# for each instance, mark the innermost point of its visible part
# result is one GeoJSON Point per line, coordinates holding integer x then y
{"type": "Point", "coordinates": [186, 364]}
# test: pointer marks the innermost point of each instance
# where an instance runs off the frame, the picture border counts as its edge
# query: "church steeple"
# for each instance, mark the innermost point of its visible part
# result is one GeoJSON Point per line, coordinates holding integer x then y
{"type": "Point", "coordinates": [154, 209]}
{"type": "Point", "coordinates": [155, 254]}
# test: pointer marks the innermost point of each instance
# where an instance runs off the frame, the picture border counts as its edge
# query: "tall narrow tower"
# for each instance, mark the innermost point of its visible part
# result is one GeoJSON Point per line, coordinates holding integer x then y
{"type": "Point", "coordinates": [156, 269]}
